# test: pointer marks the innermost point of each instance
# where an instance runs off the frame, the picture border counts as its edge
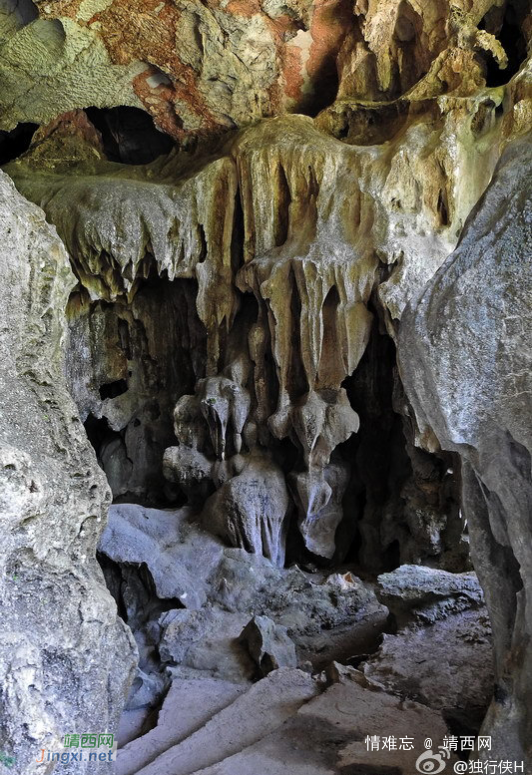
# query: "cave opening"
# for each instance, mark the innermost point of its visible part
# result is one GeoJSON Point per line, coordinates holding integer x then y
{"type": "Point", "coordinates": [194, 601]}
{"type": "Point", "coordinates": [506, 24]}
{"type": "Point", "coordinates": [295, 387]}
{"type": "Point", "coordinates": [129, 134]}
{"type": "Point", "coordinates": [398, 506]}
{"type": "Point", "coordinates": [16, 142]}
{"type": "Point", "coordinates": [113, 389]}
{"type": "Point", "coordinates": [142, 355]}
{"type": "Point", "coordinates": [403, 502]}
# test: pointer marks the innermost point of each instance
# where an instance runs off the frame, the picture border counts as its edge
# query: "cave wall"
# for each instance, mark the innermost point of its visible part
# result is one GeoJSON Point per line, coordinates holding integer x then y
{"type": "Point", "coordinates": [127, 365]}
{"type": "Point", "coordinates": [242, 263]}
{"type": "Point", "coordinates": [293, 275]}
{"type": "Point", "coordinates": [477, 402]}
{"type": "Point", "coordinates": [66, 659]}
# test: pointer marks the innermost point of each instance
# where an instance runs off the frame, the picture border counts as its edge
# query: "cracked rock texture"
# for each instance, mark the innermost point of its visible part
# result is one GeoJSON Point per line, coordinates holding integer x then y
{"type": "Point", "coordinates": [466, 364]}
{"type": "Point", "coordinates": [66, 659]}
{"type": "Point", "coordinates": [251, 193]}
{"type": "Point", "coordinates": [439, 652]}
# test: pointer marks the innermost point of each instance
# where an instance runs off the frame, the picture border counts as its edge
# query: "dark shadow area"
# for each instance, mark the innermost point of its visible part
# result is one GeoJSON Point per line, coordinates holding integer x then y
{"type": "Point", "coordinates": [507, 28]}
{"type": "Point", "coordinates": [402, 504]}
{"type": "Point", "coordinates": [13, 144]}
{"type": "Point", "coordinates": [113, 389]}
{"type": "Point", "coordinates": [128, 363]}
{"type": "Point", "coordinates": [129, 135]}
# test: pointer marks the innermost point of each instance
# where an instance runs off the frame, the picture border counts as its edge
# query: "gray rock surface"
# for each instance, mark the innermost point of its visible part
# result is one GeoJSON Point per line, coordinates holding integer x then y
{"type": "Point", "coordinates": [328, 735]}
{"type": "Point", "coordinates": [163, 559]}
{"type": "Point", "coordinates": [268, 645]}
{"type": "Point", "coordinates": [250, 509]}
{"type": "Point", "coordinates": [466, 363]}
{"type": "Point", "coordinates": [441, 652]}
{"type": "Point", "coordinates": [206, 640]}
{"type": "Point", "coordinates": [423, 594]}
{"type": "Point", "coordinates": [251, 717]}
{"type": "Point", "coordinates": [191, 566]}
{"type": "Point", "coordinates": [187, 707]}
{"type": "Point", "coordinates": [276, 318]}
{"type": "Point", "coordinates": [66, 659]}
{"type": "Point", "coordinates": [180, 556]}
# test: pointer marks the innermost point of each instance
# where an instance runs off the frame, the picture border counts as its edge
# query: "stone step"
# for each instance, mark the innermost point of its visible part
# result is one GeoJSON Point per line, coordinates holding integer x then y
{"type": "Point", "coordinates": [327, 735]}
{"type": "Point", "coordinates": [251, 717]}
{"type": "Point", "coordinates": [188, 706]}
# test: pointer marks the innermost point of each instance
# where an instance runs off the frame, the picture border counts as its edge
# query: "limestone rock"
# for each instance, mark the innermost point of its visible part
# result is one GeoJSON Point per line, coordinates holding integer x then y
{"type": "Point", "coordinates": [441, 651]}
{"type": "Point", "coordinates": [319, 496]}
{"type": "Point", "coordinates": [162, 559]}
{"type": "Point", "coordinates": [257, 387]}
{"type": "Point", "coordinates": [233, 275]}
{"type": "Point", "coordinates": [137, 535]}
{"type": "Point", "coordinates": [250, 509]}
{"type": "Point", "coordinates": [465, 360]}
{"type": "Point", "coordinates": [206, 640]}
{"type": "Point", "coordinates": [327, 734]}
{"type": "Point", "coordinates": [197, 68]}
{"type": "Point", "coordinates": [253, 715]}
{"type": "Point", "coordinates": [447, 666]}
{"type": "Point", "coordinates": [53, 501]}
{"type": "Point", "coordinates": [268, 645]}
{"type": "Point", "coordinates": [428, 594]}
{"type": "Point", "coordinates": [188, 705]}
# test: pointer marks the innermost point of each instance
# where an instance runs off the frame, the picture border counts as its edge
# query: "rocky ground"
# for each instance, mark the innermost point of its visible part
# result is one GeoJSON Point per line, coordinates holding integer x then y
{"type": "Point", "coordinates": [267, 263]}
{"type": "Point", "coordinates": [243, 664]}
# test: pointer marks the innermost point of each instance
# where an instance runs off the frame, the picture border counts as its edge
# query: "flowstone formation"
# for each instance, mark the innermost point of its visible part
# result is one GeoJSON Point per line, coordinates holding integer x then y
{"type": "Point", "coordinates": [286, 272]}
{"type": "Point", "coordinates": [66, 659]}
{"type": "Point", "coordinates": [274, 264]}
{"type": "Point", "coordinates": [251, 193]}
{"type": "Point", "coordinates": [465, 360]}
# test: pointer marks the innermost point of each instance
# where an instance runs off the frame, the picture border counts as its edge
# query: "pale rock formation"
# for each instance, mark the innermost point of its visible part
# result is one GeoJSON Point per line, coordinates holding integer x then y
{"type": "Point", "coordinates": [319, 496]}
{"type": "Point", "coordinates": [188, 599]}
{"type": "Point", "coordinates": [414, 592]}
{"type": "Point", "coordinates": [465, 362]}
{"type": "Point", "coordinates": [208, 641]}
{"type": "Point", "coordinates": [66, 659]}
{"type": "Point", "coordinates": [249, 509]}
{"type": "Point", "coordinates": [202, 68]}
{"type": "Point", "coordinates": [306, 225]}
{"type": "Point", "coordinates": [189, 704]}
{"type": "Point", "coordinates": [243, 284]}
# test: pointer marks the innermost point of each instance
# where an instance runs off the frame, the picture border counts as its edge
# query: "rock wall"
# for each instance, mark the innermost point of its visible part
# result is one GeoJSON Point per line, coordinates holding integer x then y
{"type": "Point", "coordinates": [289, 272]}
{"type": "Point", "coordinates": [250, 194]}
{"type": "Point", "coordinates": [66, 659]}
{"type": "Point", "coordinates": [465, 361]}
{"type": "Point", "coordinates": [277, 255]}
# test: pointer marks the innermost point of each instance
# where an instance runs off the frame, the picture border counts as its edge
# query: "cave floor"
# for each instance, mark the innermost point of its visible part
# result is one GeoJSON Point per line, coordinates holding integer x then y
{"type": "Point", "coordinates": [246, 667]}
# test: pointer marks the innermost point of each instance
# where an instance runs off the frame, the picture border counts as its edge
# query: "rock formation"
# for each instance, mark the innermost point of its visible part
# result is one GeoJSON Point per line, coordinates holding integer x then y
{"type": "Point", "coordinates": [66, 659]}
{"type": "Point", "coordinates": [309, 264]}
{"type": "Point", "coordinates": [250, 194]}
{"type": "Point", "coordinates": [465, 361]}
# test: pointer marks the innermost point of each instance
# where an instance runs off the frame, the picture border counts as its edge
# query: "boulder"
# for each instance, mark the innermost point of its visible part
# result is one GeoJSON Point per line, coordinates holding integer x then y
{"type": "Point", "coordinates": [268, 645]}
